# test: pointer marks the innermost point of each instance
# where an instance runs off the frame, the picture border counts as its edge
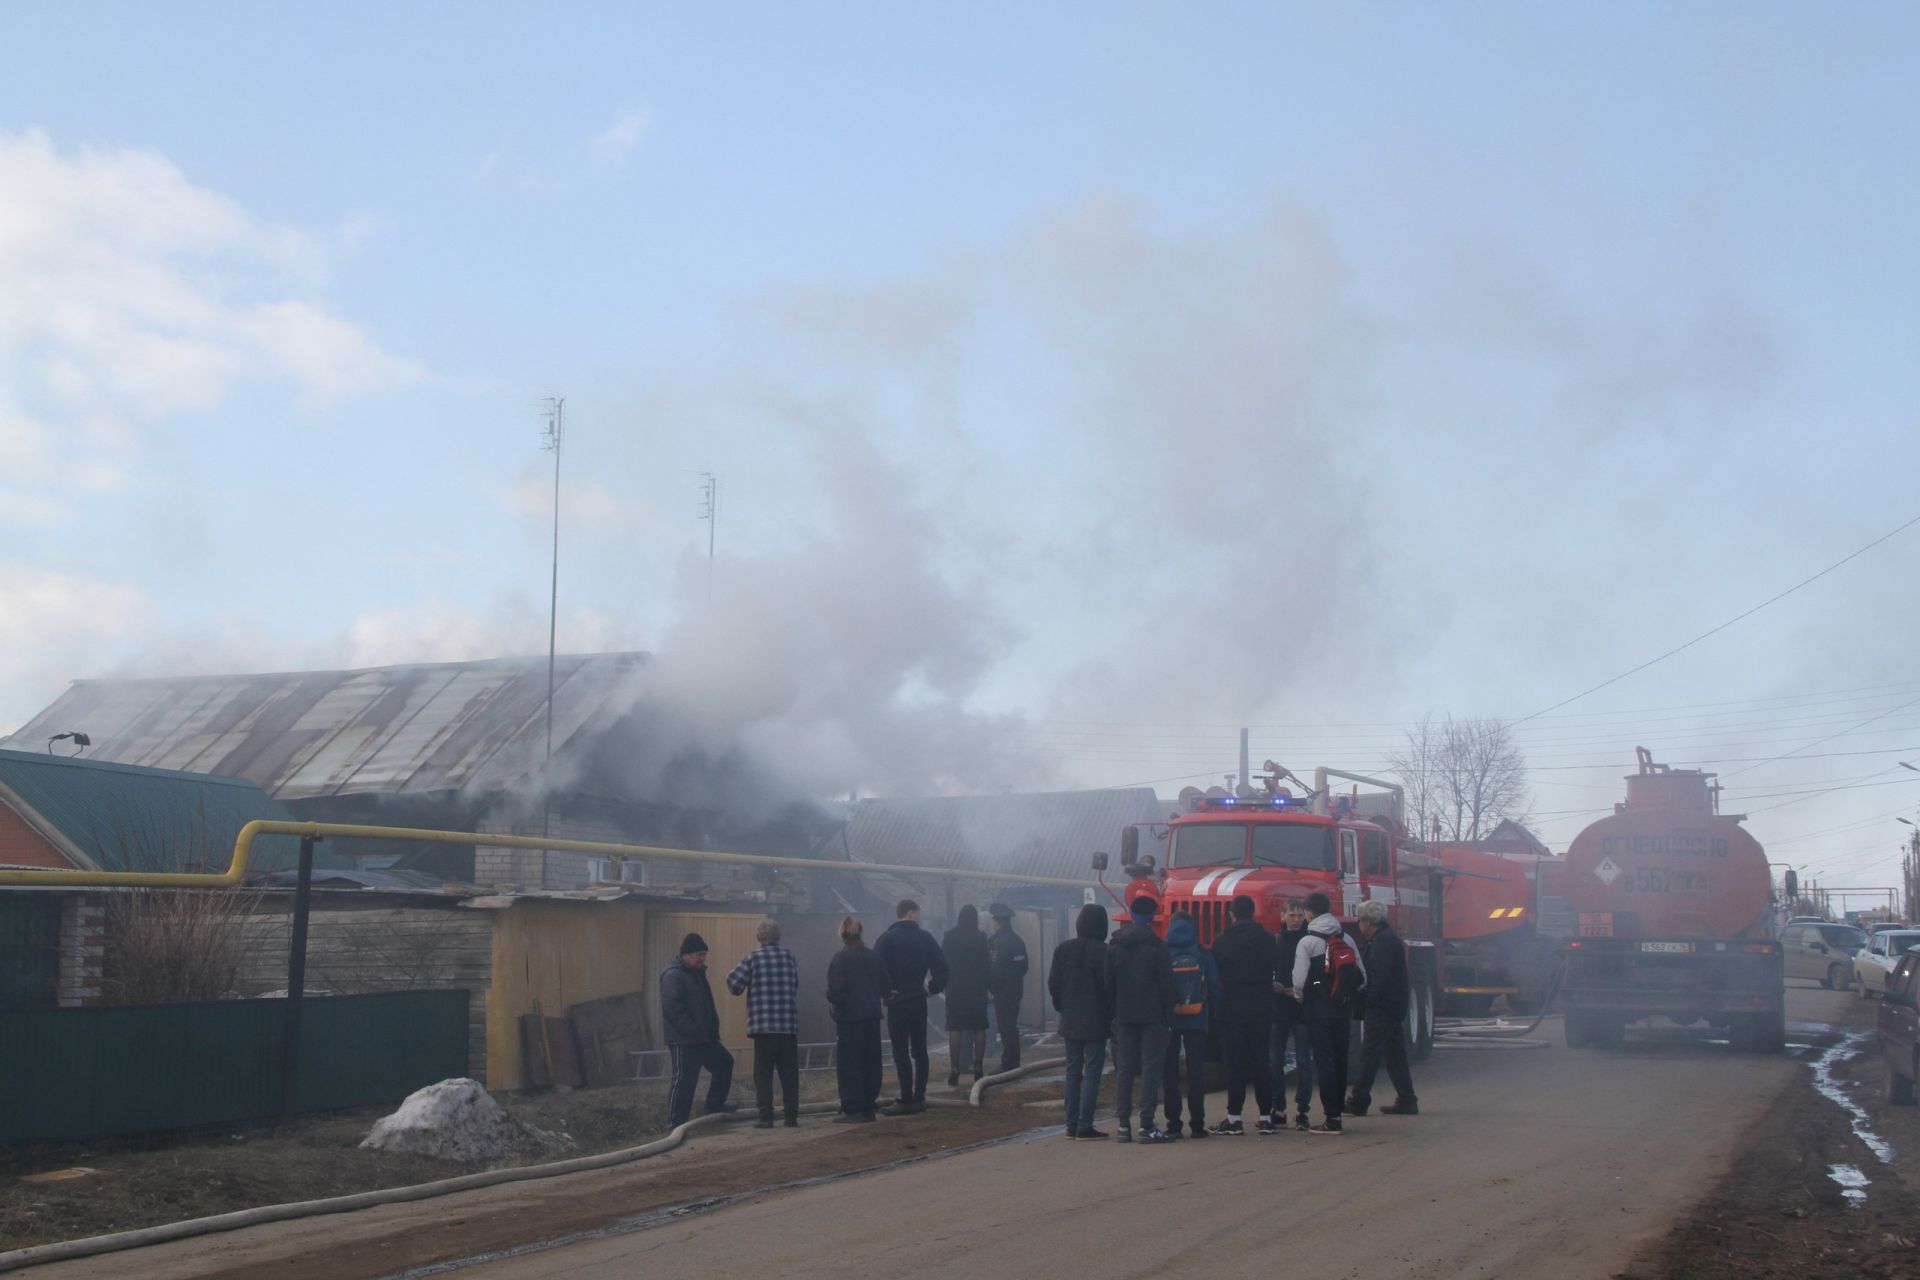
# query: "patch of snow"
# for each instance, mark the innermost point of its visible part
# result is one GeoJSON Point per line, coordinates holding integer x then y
{"type": "Point", "coordinates": [1853, 1183]}
{"type": "Point", "coordinates": [1835, 1092]}
{"type": "Point", "coordinates": [458, 1120]}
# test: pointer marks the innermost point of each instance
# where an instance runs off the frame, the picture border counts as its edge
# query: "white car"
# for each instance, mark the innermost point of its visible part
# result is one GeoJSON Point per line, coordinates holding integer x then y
{"type": "Point", "coordinates": [1877, 959]}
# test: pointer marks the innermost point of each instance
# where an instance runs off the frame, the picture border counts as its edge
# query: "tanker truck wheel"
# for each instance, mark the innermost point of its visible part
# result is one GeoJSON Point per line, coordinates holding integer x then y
{"type": "Point", "coordinates": [1607, 1032]}
{"type": "Point", "coordinates": [1579, 1031]}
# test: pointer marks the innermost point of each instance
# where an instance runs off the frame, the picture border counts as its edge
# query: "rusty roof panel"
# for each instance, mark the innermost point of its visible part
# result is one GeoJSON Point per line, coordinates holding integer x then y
{"type": "Point", "coordinates": [430, 727]}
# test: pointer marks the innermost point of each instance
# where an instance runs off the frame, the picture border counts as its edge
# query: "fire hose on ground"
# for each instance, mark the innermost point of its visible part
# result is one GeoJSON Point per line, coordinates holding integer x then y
{"type": "Point", "coordinates": [119, 1241]}
{"type": "Point", "coordinates": [1494, 1033]}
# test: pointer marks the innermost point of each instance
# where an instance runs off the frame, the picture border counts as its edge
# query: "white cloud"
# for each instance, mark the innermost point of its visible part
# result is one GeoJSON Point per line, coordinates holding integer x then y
{"type": "Point", "coordinates": [128, 292]}
{"type": "Point", "coordinates": [53, 624]}
{"type": "Point", "coordinates": [612, 145]}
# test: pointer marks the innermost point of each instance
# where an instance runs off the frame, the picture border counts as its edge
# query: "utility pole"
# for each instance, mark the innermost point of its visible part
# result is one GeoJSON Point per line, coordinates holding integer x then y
{"type": "Point", "coordinates": [710, 512]}
{"type": "Point", "coordinates": [550, 436]}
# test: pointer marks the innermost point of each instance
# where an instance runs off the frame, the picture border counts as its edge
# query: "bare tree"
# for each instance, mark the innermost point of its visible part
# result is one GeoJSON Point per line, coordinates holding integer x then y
{"type": "Point", "coordinates": [168, 946]}
{"type": "Point", "coordinates": [1462, 777]}
{"type": "Point", "coordinates": [175, 946]}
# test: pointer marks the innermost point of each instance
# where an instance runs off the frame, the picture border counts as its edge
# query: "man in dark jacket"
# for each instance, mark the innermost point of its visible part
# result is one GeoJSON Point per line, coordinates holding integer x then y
{"type": "Point", "coordinates": [857, 990]}
{"type": "Point", "coordinates": [1246, 954]}
{"type": "Point", "coordinates": [1196, 995]}
{"type": "Point", "coordinates": [1140, 988]}
{"type": "Point", "coordinates": [1077, 981]}
{"type": "Point", "coordinates": [1383, 1019]}
{"type": "Point", "coordinates": [692, 1025]}
{"type": "Point", "coordinates": [1006, 981]}
{"type": "Point", "coordinates": [968, 962]}
{"type": "Point", "coordinates": [916, 969]}
{"type": "Point", "coordinates": [1290, 1023]}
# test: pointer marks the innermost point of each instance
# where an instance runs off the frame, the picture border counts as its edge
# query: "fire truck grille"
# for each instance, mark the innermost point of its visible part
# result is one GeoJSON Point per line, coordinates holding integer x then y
{"type": "Point", "coordinates": [1209, 916]}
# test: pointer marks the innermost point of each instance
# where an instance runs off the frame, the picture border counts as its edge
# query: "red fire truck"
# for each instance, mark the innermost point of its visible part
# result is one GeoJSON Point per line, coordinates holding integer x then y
{"type": "Point", "coordinates": [1271, 845]}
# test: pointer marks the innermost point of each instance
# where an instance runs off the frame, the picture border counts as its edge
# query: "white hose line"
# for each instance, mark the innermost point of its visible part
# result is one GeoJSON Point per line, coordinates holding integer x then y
{"type": "Point", "coordinates": [981, 1085]}
{"type": "Point", "coordinates": [93, 1246]}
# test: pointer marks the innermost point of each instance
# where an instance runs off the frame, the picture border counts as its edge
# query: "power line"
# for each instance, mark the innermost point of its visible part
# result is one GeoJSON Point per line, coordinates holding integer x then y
{"type": "Point", "coordinates": [1723, 626]}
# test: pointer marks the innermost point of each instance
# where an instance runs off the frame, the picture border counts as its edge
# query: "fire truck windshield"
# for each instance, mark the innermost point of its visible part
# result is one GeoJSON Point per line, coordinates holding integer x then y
{"type": "Point", "coordinates": [1277, 844]}
{"type": "Point", "coordinates": [1212, 844]}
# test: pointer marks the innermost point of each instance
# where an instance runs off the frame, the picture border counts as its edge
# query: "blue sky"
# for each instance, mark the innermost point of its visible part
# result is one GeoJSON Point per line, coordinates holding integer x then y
{"type": "Point", "coordinates": [1083, 380]}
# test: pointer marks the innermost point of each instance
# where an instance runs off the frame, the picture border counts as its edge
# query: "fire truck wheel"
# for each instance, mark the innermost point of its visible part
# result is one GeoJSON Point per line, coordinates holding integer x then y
{"type": "Point", "coordinates": [1420, 1028]}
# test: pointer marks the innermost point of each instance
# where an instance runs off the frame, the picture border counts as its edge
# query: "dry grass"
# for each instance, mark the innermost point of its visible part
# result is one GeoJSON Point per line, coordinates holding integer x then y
{"type": "Point", "coordinates": [145, 1182]}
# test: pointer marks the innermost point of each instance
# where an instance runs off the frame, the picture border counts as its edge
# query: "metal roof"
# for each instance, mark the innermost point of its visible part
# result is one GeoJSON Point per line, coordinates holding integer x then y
{"type": "Point", "coordinates": [1052, 833]}
{"type": "Point", "coordinates": [383, 730]}
{"type": "Point", "coordinates": [114, 817]}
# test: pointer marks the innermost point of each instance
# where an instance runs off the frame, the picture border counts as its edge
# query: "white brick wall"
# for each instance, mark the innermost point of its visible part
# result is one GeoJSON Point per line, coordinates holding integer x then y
{"type": "Point", "coordinates": [83, 950]}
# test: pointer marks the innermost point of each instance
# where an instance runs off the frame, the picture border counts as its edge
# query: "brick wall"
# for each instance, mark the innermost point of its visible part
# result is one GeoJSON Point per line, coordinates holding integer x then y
{"type": "Point", "coordinates": [22, 846]}
{"type": "Point", "coordinates": [83, 950]}
{"type": "Point", "coordinates": [545, 869]}
{"type": "Point", "coordinates": [355, 948]}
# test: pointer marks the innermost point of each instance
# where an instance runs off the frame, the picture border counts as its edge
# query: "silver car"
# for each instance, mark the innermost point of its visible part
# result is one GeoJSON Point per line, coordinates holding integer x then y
{"type": "Point", "coordinates": [1877, 959]}
{"type": "Point", "coordinates": [1822, 952]}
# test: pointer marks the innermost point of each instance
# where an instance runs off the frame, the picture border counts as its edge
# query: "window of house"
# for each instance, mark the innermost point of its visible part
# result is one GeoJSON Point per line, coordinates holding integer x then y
{"type": "Point", "coordinates": [616, 871]}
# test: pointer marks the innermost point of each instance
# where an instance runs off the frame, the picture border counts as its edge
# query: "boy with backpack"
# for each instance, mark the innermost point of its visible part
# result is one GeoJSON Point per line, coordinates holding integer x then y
{"type": "Point", "coordinates": [1328, 978]}
{"type": "Point", "coordinates": [1196, 990]}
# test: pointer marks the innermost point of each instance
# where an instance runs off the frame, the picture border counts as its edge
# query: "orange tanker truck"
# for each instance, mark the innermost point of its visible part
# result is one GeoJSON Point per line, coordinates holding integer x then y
{"type": "Point", "coordinates": [1665, 909]}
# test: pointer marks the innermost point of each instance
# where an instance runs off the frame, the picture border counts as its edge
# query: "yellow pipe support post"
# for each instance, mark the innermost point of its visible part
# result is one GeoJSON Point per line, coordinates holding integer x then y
{"type": "Point", "coordinates": [243, 855]}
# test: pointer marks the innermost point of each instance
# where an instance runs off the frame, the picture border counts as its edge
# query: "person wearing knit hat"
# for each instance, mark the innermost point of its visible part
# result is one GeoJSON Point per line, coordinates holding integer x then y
{"type": "Point", "coordinates": [692, 1026]}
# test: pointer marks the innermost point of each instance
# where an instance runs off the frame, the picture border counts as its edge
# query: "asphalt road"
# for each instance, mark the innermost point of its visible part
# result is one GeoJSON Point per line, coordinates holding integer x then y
{"type": "Point", "coordinates": [1523, 1164]}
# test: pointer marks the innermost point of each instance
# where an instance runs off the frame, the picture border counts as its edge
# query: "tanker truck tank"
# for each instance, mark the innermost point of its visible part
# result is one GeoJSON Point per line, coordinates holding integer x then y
{"type": "Point", "coordinates": [1666, 865]}
{"type": "Point", "coordinates": [1666, 910]}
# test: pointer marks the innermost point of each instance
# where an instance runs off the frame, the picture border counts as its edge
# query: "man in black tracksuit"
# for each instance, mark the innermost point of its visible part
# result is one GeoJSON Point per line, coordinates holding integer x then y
{"type": "Point", "coordinates": [917, 969]}
{"type": "Point", "coordinates": [692, 1025]}
{"type": "Point", "coordinates": [1248, 957]}
{"type": "Point", "coordinates": [1384, 1015]}
{"type": "Point", "coordinates": [1140, 990]}
{"type": "Point", "coordinates": [1006, 981]}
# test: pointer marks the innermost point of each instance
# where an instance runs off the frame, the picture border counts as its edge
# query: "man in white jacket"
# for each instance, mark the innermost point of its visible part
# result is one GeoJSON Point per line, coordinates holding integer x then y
{"type": "Point", "coordinates": [1329, 1019]}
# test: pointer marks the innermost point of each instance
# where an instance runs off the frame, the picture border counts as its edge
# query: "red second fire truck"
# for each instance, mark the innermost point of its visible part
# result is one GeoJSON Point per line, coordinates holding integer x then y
{"type": "Point", "coordinates": [1272, 845]}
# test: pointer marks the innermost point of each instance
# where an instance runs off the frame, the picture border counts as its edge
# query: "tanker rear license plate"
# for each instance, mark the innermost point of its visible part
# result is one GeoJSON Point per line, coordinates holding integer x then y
{"type": "Point", "coordinates": [1671, 947]}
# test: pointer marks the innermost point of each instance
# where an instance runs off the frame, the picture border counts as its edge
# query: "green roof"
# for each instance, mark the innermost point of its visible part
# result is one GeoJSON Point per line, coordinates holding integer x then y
{"type": "Point", "coordinates": [123, 817]}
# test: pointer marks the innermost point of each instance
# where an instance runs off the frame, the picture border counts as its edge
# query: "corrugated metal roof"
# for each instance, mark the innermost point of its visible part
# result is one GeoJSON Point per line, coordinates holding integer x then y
{"type": "Point", "coordinates": [1053, 833]}
{"type": "Point", "coordinates": [382, 730]}
{"type": "Point", "coordinates": [126, 818]}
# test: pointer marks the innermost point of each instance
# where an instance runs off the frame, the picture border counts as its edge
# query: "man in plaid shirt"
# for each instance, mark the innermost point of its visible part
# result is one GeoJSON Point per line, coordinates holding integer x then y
{"type": "Point", "coordinates": [770, 979]}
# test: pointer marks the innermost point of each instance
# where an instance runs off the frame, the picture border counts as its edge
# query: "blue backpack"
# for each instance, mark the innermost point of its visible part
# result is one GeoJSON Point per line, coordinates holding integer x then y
{"type": "Point", "coordinates": [1189, 984]}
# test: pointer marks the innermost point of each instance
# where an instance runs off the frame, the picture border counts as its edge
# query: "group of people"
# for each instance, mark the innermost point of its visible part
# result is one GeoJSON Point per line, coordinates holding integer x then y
{"type": "Point", "coordinates": [1156, 999]}
{"type": "Point", "coordinates": [1261, 994]}
{"type": "Point", "coordinates": [981, 975]}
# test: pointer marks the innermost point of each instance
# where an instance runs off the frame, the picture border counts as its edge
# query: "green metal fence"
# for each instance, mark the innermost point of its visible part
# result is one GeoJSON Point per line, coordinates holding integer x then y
{"type": "Point", "coordinates": [73, 1074]}
{"type": "Point", "coordinates": [29, 950]}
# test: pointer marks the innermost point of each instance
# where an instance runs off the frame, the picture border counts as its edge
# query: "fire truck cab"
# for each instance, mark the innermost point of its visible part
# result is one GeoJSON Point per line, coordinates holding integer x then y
{"type": "Point", "coordinates": [1272, 846]}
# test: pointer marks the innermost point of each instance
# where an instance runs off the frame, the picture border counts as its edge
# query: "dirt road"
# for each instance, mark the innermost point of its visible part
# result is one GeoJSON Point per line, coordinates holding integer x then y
{"type": "Point", "coordinates": [1525, 1163]}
